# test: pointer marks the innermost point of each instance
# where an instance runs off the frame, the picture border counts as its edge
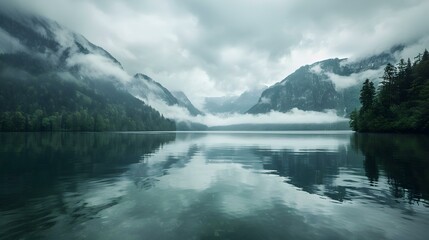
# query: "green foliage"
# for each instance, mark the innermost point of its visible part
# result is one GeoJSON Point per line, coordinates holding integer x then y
{"type": "Point", "coordinates": [354, 120]}
{"type": "Point", "coordinates": [367, 95]}
{"type": "Point", "coordinates": [47, 102]}
{"type": "Point", "coordinates": [401, 103]}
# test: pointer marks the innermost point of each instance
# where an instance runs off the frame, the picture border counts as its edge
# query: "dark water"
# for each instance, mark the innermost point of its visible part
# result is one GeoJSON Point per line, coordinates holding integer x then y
{"type": "Point", "coordinates": [278, 185]}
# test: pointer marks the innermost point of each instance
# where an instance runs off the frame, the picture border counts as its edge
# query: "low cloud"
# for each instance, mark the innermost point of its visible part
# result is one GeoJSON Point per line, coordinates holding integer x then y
{"type": "Point", "coordinates": [265, 100]}
{"type": "Point", "coordinates": [414, 49]}
{"type": "Point", "coordinates": [294, 116]}
{"type": "Point", "coordinates": [317, 69]}
{"type": "Point", "coordinates": [343, 82]}
{"type": "Point", "coordinates": [9, 44]}
{"type": "Point", "coordinates": [98, 67]}
{"type": "Point", "coordinates": [228, 47]}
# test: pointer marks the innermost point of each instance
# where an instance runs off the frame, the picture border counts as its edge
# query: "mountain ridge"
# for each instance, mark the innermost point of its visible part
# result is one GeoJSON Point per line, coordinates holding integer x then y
{"type": "Point", "coordinates": [327, 84]}
{"type": "Point", "coordinates": [60, 81]}
{"type": "Point", "coordinates": [186, 103]}
{"type": "Point", "coordinates": [233, 104]}
{"type": "Point", "coordinates": [149, 90]}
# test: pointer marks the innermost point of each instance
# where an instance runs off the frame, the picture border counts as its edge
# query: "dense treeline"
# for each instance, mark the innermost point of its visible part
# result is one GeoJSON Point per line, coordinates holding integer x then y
{"type": "Point", "coordinates": [51, 102]}
{"type": "Point", "coordinates": [401, 102]}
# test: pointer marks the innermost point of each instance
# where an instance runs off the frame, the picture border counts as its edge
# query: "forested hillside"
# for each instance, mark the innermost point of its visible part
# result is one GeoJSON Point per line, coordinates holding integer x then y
{"type": "Point", "coordinates": [43, 86]}
{"type": "Point", "coordinates": [47, 102]}
{"type": "Point", "coordinates": [400, 103]}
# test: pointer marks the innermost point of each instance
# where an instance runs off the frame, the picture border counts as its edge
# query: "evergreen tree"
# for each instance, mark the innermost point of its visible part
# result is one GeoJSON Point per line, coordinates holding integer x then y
{"type": "Point", "coordinates": [367, 95]}
{"type": "Point", "coordinates": [29, 105]}
{"type": "Point", "coordinates": [401, 103]}
{"type": "Point", "coordinates": [354, 120]}
{"type": "Point", "coordinates": [406, 84]}
{"type": "Point", "coordinates": [388, 85]}
{"type": "Point", "coordinates": [402, 84]}
{"type": "Point", "coordinates": [425, 55]}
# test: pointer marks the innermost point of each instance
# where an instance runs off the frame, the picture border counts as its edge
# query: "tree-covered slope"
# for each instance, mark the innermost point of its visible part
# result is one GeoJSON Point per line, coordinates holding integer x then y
{"type": "Point", "coordinates": [52, 79]}
{"type": "Point", "coordinates": [401, 102]}
{"type": "Point", "coordinates": [49, 102]}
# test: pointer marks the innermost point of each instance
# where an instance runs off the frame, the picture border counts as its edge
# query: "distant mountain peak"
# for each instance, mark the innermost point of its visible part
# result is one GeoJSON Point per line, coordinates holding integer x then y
{"type": "Point", "coordinates": [233, 104]}
{"type": "Point", "coordinates": [185, 102]}
{"type": "Point", "coordinates": [144, 87]}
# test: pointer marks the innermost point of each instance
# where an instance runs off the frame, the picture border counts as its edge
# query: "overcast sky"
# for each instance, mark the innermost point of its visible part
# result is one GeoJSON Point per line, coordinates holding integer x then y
{"type": "Point", "coordinates": [215, 47]}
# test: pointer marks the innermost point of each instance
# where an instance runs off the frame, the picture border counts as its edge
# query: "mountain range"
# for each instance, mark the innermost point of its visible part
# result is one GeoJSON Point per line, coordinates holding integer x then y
{"type": "Point", "coordinates": [46, 62]}
{"type": "Point", "coordinates": [61, 81]}
{"type": "Point", "coordinates": [233, 104]}
{"type": "Point", "coordinates": [328, 84]}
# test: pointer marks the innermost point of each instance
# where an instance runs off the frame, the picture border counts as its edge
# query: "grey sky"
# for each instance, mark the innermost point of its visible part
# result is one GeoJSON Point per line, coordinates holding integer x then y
{"type": "Point", "coordinates": [212, 48]}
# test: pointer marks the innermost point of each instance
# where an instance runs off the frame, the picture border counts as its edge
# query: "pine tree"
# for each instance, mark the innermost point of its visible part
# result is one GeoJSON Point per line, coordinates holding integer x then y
{"type": "Point", "coordinates": [402, 84]}
{"type": "Point", "coordinates": [367, 95]}
{"type": "Point", "coordinates": [388, 85]}
{"type": "Point", "coordinates": [425, 55]}
{"type": "Point", "coordinates": [380, 113]}
{"type": "Point", "coordinates": [354, 120]}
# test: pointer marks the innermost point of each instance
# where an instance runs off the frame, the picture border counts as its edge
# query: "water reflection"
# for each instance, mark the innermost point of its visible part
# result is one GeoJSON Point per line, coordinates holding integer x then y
{"type": "Point", "coordinates": [48, 175]}
{"type": "Point", "coordinates": [404, 159]}
{"type": "Point", "coordinates": [242, 185]}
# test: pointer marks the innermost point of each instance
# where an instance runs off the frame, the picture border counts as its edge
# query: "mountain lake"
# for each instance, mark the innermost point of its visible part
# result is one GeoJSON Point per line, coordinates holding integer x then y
{"type": "Point", "coordinates": [214, 185]}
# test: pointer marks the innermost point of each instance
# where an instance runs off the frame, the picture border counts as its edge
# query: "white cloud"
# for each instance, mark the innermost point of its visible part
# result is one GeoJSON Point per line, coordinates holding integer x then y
{"type": "Point", "coordinates": [97, 66]}
{"type": "Point", "coordinates": [194, 82]}
{"type": "Point", "coordinates": [343, 82]}
{"type": "Point", "coordinates": [9, 44]}
{"type": "Point", "coordinates": [294, 116]}
{"type": "Point", "coordinates": [265, 100]}
{"type": "Point", "coordinates": [317, 69]}
{"type": "Point", "coordinates": [414, 49]}
{"type": "Point", "coordinates": [207, 48]}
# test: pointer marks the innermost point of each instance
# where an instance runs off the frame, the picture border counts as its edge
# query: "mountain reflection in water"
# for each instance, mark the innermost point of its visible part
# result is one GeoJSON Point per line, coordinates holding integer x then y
{"type": "Point", "coordinates": [213, 185]}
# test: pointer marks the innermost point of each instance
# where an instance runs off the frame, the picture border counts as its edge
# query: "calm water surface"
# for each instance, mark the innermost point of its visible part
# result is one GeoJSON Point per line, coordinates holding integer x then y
{"type": "Point", "coordinates": [222, 185]}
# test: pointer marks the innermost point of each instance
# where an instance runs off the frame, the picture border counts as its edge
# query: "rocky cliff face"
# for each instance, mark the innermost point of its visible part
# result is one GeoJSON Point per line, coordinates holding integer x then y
{"type": "Point", "coordinates": [328, 84]}
{"type": "Point", "coordinates": [148, 90]}
{"type": "Point", "coordinates": [186, 103]}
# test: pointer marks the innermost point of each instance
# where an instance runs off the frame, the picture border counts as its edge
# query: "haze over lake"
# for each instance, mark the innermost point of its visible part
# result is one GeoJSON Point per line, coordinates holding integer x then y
{"type": "Point", "coordinates": [187, 119]}
{"type": "Point", "coordinates": [213, 185]}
